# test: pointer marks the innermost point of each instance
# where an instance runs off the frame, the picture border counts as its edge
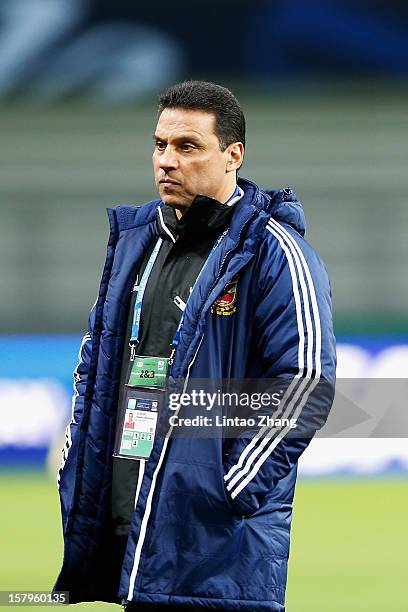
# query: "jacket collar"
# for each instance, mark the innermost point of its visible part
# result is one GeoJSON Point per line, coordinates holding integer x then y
{"type": "Point", "coordinates": [282, 204]}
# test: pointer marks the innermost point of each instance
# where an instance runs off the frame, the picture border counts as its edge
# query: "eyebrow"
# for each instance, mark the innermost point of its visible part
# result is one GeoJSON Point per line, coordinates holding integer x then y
{"type": "Point", "coordinates": [182, 138]}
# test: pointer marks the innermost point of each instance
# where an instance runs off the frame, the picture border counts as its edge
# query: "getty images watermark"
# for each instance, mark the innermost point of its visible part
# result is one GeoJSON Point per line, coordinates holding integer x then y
{"type": "Point", "coordinates": [298, 407]}
{"type": "Point", "coordinates": [212, 401]}
{"type": "Point", "coordinates": [294, 407]}
{"type": "Point", "coordinates": [208, 400]}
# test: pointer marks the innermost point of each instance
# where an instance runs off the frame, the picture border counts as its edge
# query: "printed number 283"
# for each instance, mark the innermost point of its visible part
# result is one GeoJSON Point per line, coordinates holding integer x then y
{"type": "Point", "coordinates": [147, 374]}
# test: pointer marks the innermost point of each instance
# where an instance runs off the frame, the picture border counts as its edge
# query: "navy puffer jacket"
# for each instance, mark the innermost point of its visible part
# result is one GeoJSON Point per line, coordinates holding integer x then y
{"type": "Point", "coordinates": [210, 528]}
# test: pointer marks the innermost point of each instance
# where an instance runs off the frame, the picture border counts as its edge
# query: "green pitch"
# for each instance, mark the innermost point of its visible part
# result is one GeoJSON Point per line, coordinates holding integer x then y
{"type": "Point", "coordinates": [348, 554]}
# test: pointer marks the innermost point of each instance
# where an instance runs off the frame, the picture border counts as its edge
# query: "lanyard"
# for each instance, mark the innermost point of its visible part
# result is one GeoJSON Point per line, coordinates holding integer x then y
{"type": "Point", "coordinates": [142, 286]}
{"type": "Point", "coordinates": [238, 193]}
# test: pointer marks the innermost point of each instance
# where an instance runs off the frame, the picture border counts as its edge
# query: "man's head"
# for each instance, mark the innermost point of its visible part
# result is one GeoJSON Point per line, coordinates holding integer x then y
{"type": "Point", "coordinates": [199, 143]}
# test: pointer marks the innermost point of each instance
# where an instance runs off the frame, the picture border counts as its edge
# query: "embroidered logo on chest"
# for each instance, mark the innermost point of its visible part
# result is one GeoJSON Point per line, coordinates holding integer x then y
{"type": "Point", "coordinates": [226, 303]}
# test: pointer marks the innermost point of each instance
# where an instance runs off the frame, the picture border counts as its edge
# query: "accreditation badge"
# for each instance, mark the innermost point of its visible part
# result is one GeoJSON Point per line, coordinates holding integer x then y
{"type": "Point", "coordinates": [137, 423]}
{"type": "Point", "coordinates": [149, 372]}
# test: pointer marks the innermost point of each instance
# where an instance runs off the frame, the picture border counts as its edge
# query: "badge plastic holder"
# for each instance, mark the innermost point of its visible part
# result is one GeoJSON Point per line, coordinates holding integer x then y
{"type": "Point", "coordinates": [137, 423]}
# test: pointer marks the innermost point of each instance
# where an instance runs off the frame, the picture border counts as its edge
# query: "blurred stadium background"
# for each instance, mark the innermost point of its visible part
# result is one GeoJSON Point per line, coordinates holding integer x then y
{"type": "Point", "coordinates": [325, 90]}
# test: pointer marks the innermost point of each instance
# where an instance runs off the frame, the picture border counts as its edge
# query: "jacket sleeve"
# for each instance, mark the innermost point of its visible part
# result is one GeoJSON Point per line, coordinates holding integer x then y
{"type": "Point", "coordinates": [69, 453]}
{"type": "Point", "coordinates": [294, 335]}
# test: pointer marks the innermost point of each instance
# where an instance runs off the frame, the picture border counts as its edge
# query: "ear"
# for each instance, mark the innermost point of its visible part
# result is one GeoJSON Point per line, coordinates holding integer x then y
{"type": "Point", "coordinates": [235, 156]}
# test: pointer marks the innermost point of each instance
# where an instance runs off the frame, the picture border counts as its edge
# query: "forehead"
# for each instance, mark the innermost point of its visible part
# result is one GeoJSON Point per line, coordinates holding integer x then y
{"type": "Point", "coordinates": [175, 122]}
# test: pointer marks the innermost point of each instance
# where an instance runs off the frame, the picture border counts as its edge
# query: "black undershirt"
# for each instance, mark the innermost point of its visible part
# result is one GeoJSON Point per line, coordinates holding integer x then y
{"type": "Point", "coordinates": [173, 274]}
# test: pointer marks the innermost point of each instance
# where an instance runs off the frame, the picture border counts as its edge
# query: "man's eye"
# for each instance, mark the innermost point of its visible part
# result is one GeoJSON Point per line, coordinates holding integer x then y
{"type": "Point", "coordinates": [187, 147]}
{"type": "Point", "coordinates": [160, 145]}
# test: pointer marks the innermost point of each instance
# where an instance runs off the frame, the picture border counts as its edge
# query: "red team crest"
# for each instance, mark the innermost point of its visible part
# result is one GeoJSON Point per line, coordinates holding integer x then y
{"type": "Point", "coordinates": [225, 304]}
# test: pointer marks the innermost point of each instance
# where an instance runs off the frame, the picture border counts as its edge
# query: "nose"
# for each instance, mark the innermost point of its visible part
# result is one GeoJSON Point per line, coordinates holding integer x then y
{"type": "Point", "coordinates": [168, 159]}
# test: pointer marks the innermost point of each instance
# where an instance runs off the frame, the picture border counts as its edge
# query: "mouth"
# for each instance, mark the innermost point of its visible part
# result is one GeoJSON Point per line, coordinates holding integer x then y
{"type": "Point", "coordinates": [168, 181]}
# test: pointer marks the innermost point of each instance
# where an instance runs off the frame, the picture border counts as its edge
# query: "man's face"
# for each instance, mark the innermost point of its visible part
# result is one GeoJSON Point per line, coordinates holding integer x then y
{"type": "Point", "coordinates": [187, 159]}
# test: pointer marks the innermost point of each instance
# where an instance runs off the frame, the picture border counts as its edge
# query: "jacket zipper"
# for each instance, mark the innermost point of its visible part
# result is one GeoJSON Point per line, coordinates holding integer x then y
{"type": "Point", "coordinates": [179, 303]}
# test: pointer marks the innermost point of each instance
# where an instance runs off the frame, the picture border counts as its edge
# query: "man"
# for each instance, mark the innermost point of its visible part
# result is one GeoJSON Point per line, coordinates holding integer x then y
{"type": "Point", "coordinates": [130, 424]}
{"type": "Point", "coordinates": [213, 281]}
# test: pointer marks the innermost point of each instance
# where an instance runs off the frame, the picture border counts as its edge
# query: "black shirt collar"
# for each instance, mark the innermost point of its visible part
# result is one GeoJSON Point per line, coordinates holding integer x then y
{"type": "Point", "coordinates": [204, 216]}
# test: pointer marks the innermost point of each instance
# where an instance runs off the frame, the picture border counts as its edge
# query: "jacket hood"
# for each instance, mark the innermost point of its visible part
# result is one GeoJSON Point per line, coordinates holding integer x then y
{"type": "Point", "coordinates": [282, 204]}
